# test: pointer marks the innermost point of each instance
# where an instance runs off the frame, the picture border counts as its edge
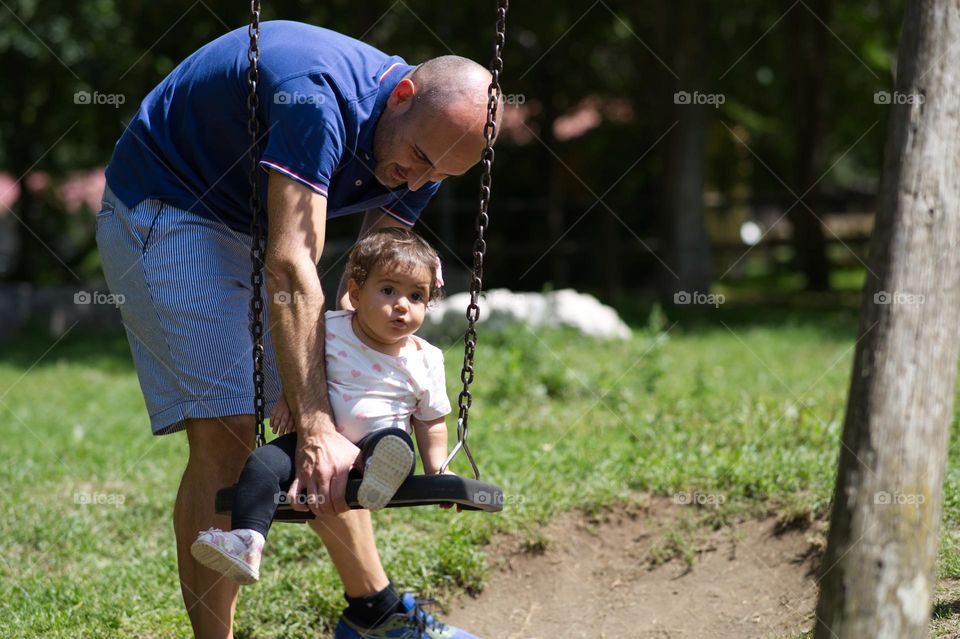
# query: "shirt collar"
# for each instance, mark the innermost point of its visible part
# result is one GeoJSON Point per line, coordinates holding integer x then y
{"type": "Point", "coordinates": [389, 79]}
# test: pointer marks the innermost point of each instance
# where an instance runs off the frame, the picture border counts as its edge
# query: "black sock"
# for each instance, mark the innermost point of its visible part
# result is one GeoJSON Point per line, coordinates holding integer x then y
{"type": "Point", "coordinates": [373, 609]}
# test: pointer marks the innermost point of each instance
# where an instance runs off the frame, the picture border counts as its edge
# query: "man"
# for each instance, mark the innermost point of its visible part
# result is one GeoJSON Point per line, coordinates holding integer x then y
{"type": "Point", "coordinates": [345, 129]}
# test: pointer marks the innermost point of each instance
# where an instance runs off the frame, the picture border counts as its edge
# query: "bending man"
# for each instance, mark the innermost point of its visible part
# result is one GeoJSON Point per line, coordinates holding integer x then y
{"type": "Point", "coordinates": [346, 129]}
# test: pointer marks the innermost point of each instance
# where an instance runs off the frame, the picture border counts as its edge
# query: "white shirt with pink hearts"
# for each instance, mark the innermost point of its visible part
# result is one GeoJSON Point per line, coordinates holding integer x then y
{"type": "Point", "coordinates": [370, 390]}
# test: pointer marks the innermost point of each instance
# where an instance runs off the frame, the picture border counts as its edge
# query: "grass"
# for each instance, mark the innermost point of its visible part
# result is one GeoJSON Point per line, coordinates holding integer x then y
{"type": "Point", "coordinates": [733, 407]}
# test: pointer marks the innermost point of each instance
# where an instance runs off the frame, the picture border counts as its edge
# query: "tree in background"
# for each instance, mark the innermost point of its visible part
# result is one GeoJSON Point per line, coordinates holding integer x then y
{"type": "Point", "coordinates": [685, 233]}
{"type": "Point", "coordinates": [809, 44]}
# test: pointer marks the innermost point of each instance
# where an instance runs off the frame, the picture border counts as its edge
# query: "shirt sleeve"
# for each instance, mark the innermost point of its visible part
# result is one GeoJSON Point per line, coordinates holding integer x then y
{"type": "Point", "coordinates": [306, 132]}
{"type": "Point", "coordinates": [432, 402]}
{"type": "Point", "coordinates": [408, 205]}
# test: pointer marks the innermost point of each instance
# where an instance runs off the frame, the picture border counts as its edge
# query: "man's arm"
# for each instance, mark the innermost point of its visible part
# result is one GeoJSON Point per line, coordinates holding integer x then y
{"type": "Point", "coordinates": [298, 219]}
{"type": "Point", "coordinates": [372, 220]}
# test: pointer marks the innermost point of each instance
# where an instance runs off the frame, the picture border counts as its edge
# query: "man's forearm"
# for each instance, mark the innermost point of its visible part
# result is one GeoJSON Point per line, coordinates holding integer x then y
{"type": "Point", "coordinates": [296, 303]}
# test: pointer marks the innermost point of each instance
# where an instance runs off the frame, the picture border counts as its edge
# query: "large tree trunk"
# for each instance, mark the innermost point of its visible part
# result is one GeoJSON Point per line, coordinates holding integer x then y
{"type": "Point", "coordinates": [879, 568]}
{"type": "Point", "coordinates": [685, 228]}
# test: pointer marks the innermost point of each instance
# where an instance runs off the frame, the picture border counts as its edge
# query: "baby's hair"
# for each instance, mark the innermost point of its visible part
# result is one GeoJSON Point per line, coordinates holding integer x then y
{"type": "Point", "coordinates": [394, 249]}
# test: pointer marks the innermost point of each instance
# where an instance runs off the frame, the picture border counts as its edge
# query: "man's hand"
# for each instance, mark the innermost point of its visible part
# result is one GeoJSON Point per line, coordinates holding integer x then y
{"type": "Point", "coordinates": [322, 465]}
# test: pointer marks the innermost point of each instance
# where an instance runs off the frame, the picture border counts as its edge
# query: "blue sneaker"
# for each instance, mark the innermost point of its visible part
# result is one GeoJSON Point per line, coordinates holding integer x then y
{"type": "Point", "coordinates": [415, 623]}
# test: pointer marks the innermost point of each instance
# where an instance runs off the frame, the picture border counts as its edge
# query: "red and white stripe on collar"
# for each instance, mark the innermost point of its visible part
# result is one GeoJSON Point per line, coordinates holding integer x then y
{"type": "Point", "coordinates": [387, 72]}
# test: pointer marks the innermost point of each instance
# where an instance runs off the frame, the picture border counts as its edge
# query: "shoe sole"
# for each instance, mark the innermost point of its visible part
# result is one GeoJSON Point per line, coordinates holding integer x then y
{"type": "Point", "coordinates": [387, 468]}
{"type": "Point", "coordinates": [213, 558]}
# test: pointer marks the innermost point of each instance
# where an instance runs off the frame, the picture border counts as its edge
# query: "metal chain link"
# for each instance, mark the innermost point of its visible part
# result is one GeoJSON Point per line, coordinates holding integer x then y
{"type": "Point", "coordinates": [465, 399]}
{"type": "Point", "coordinates": [256, 232]}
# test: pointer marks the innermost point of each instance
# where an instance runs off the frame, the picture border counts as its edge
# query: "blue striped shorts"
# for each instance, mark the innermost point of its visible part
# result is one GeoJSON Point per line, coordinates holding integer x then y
{"type": "Point", "coordinates": [185, 282]}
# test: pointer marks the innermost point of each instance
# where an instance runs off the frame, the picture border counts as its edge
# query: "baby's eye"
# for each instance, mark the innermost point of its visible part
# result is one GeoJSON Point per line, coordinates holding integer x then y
{"type": "Point", "coordinates": [417, 297]}
{"type": "Point", "coordinates": [387, 290]}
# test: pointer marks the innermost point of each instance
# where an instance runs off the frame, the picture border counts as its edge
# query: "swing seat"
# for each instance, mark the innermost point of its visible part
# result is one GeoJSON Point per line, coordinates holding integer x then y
{"type": "Point", "coordinates": [417, 490]}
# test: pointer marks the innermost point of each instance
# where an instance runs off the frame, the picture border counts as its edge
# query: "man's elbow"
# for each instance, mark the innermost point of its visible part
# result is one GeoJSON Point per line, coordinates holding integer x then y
{"type": "Point", "coordinates": [291, 275]}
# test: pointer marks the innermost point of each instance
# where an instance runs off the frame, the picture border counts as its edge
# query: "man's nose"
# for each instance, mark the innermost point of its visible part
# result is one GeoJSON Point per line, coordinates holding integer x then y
{"type": "Point", "coordinates": [421, 179]}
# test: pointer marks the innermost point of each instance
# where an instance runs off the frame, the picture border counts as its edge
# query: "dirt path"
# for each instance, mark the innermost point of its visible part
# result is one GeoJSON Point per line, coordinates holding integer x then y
{"type": "Point", "coordinates": [595, 579]}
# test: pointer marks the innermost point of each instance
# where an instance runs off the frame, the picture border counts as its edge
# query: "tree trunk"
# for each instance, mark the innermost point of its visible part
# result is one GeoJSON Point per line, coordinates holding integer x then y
{"type": "Point", "coordinates": [878, 575]}
{"type": "Point", "coordinates": [685, 228]}
{"type": "Point", "coordinates": [810, 44]}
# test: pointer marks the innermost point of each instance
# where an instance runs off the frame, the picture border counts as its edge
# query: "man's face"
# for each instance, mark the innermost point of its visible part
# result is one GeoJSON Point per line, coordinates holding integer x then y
{"type": "Point", "coordinates": [414, 148]}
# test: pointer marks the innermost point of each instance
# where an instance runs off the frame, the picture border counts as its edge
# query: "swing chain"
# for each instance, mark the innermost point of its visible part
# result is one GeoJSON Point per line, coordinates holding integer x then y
{"type": "Point", "coordinates": [465, 399]}
{"type": "Point", "coordinates": [256, 232]}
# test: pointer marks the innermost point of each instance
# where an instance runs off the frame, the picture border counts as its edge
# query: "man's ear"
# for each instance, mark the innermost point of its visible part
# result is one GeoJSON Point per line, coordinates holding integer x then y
{"type": "Point", "coordinates": [402, 95]}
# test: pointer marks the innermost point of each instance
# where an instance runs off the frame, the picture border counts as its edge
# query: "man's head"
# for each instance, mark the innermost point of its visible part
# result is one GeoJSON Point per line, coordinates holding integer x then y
{"type": "Point", "coordinates": [432, 126]}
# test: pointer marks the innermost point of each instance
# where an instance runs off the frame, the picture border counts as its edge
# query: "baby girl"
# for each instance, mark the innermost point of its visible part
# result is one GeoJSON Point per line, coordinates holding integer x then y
{"type": "Point", "coordinates": [380, 379]}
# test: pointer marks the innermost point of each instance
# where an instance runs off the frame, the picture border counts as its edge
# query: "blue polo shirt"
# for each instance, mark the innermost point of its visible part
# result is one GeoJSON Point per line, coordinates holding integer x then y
{"type": "Point", "coordinates": [321, 94]}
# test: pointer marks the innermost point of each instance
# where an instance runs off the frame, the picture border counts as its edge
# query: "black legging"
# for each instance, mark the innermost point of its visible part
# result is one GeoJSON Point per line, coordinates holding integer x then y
{"type": "Point", "coordinates": [269, 472]}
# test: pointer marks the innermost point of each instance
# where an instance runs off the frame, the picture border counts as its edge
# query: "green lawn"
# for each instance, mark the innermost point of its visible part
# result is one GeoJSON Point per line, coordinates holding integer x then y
{"type": "Point", "coordinates": [738, 406]}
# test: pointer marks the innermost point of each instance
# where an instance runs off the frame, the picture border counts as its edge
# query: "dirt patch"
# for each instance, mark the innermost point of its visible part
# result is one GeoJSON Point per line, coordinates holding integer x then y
{"type": "Point", "coordinates": [594, 578]}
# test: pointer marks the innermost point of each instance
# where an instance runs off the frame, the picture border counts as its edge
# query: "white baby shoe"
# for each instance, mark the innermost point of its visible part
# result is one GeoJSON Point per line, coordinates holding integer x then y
{"type": "Point", "coordinates": [386, 468]}
{"type": "Point", "coordinates": [235, 553]}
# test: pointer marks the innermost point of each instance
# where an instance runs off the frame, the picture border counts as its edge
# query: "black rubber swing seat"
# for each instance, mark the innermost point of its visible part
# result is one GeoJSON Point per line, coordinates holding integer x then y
{"type": "Point", "coordinates": [417, 490]}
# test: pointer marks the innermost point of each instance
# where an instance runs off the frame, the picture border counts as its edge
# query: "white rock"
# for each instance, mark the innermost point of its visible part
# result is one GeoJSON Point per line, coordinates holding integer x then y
{"type": "Point", "coordinates": [500, 308]}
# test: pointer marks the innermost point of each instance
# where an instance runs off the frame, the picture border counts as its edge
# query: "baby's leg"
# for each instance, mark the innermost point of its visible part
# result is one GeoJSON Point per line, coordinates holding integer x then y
{"type": "Point", "coordinates": [265, 477]}
{"type": "Point", "coordinates": [236, 553]}
{"type": "Point", "coordinates": [388, 459]}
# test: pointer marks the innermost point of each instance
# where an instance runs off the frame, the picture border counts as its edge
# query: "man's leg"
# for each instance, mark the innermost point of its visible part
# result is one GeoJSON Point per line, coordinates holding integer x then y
{"type": "Point", "coordinates": [218, 450]}
{"type": "Point", "coordinates": [349, 540]}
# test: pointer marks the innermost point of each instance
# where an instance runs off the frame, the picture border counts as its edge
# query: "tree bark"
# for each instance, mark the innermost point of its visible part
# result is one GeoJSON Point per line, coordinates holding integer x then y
{"type": "Point", "coordinates": [878, 573]}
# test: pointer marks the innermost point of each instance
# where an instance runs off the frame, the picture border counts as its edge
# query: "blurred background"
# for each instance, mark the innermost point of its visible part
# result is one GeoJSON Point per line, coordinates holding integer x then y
{"type": "Point", "coordinates": [649, 149]}
{"type": "Point", "coordinates": [709, 169]}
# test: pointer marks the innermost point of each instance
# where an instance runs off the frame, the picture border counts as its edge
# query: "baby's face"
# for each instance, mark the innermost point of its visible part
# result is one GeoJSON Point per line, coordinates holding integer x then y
{"type": "Point", "coordinates": [390, 306]}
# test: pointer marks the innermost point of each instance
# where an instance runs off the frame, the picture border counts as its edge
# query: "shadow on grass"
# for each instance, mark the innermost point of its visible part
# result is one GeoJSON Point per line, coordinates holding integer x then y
{"type": "Point", "coordinates": [946, 609]}
{"type": "Point", "coordinates": [34, 346]}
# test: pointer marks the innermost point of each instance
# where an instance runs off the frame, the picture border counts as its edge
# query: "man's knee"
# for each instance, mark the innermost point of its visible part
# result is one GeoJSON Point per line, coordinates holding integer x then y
{"type": "Point", "coordinates": [221, 442]}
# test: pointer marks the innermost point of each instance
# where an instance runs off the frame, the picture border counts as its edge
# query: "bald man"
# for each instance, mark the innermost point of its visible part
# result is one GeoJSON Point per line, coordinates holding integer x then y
{"type": "Point", "coordinates": [346, 129]}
